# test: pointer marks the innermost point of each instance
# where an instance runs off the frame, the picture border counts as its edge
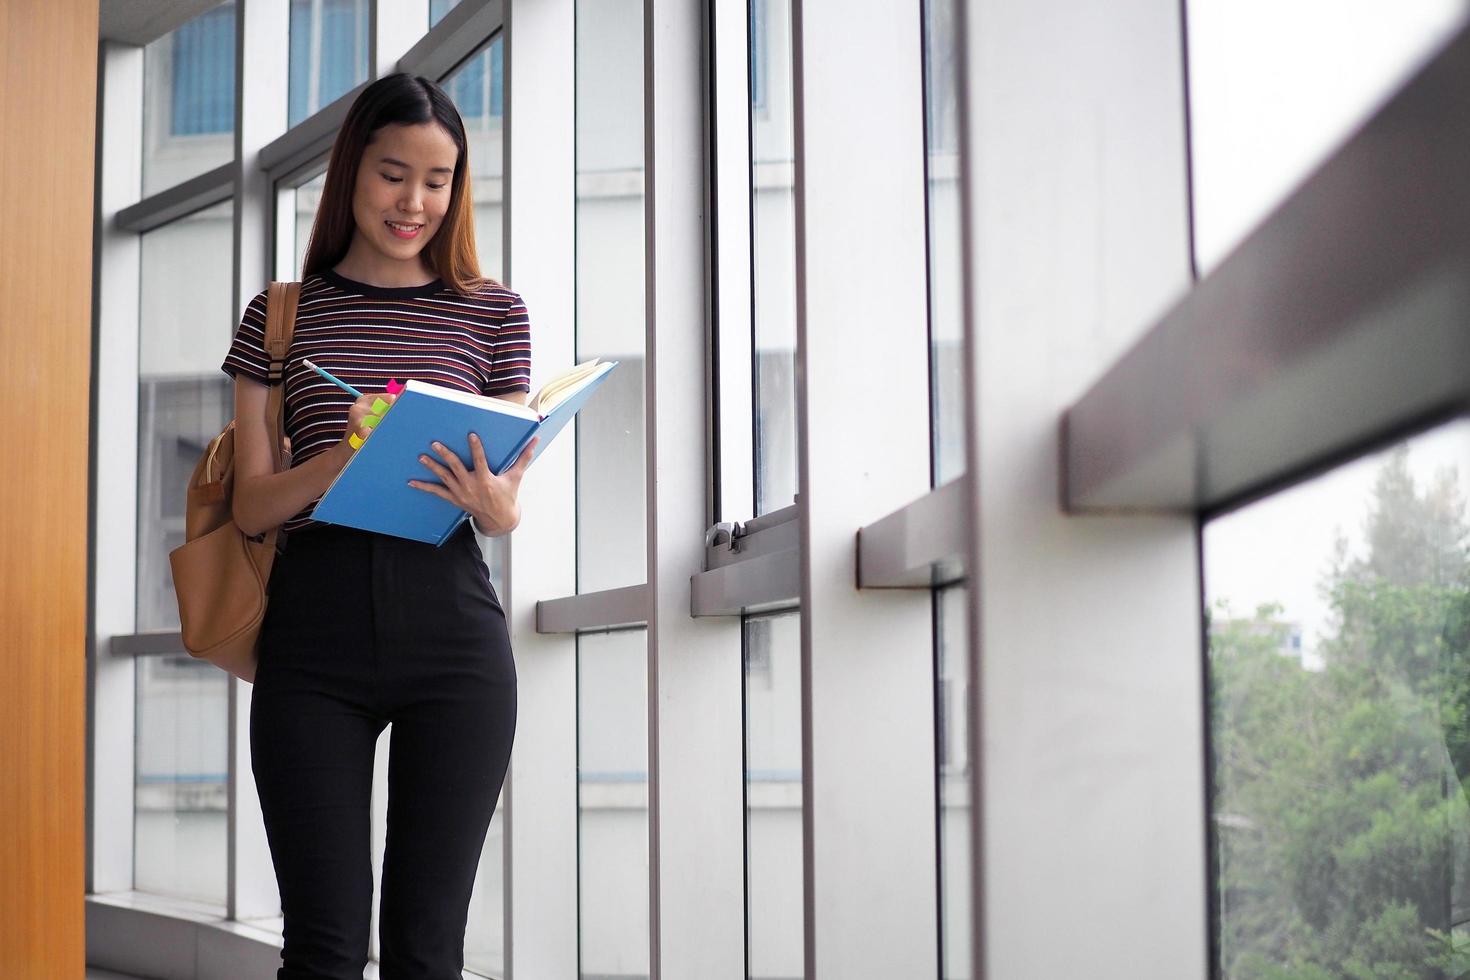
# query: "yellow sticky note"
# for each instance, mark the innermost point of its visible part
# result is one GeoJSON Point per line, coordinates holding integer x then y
{"type": "Point", "coordinates": [354, 441]}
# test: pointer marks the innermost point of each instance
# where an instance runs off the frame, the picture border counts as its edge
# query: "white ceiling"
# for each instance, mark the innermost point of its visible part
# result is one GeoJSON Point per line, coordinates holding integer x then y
{"type": "Point", "coordinates": [141, 21]}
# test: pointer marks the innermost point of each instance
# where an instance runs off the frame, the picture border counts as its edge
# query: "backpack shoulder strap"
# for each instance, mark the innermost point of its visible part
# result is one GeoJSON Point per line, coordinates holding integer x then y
{"type": "Point", "coordinates": [280, 324]}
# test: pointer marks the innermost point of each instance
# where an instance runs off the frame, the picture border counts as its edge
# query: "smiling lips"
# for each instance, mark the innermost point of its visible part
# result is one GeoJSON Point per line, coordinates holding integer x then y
{"type": "Point", "coordinates": [404, 231]}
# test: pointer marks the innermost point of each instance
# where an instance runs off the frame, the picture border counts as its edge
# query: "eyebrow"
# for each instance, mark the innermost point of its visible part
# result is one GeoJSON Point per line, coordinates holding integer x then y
{"type": "Point", "coordinates": [432, 170]}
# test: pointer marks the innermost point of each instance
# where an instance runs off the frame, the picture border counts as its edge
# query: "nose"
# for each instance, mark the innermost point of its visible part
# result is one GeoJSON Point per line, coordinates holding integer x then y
{"type": "Point", "coordinates": [411, 202]}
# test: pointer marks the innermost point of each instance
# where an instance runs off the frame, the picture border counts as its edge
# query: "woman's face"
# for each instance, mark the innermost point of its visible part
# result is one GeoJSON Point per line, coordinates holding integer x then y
{"type": "Point", "coordinates": [403, 188]}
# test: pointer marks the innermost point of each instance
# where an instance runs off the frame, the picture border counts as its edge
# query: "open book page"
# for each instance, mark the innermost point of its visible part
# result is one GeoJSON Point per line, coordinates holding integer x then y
{"type": "Point", "coordinates": [552, 394]}
{"type": "Point", "coordinates": [467, 398]}
{"type": "Point", "coordinates": [558, 388]}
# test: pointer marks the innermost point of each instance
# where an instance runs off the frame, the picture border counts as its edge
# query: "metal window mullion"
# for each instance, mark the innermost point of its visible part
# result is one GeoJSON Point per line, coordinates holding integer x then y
{"type": "Point", "coordinates": [184, 198]}
{"type": "Point", "coordinates": [866, 657]}
{"type": "Point", "coordinates": [462, 31]}
{"type": "Point", "coordinates": [149, 644]}
{"type": "Point", "coordinates": [695, 776]}
{"type": "Point", "coordinates": [754, 569]}
{"type": "Point", "coordinates": [1336, 326]}
{"type": "Point", "coordinates": [587, 612]}
{"type": "Point", "coordinates": [261, 84]}
{"type": "Point", "coordinates": [761, 583]}
{"type": "Point", "coordinates": [112, 703]}
{"type": "Point", "coordinates": [540, 797]}
{"type": "Point", "coordinates": [966, 53]}
{"type": "Point", "coordinates": [919, 546]}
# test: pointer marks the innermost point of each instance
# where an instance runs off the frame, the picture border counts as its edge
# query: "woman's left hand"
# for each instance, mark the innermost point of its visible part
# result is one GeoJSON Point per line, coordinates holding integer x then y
{"type": "Point", "coordinates": [490, 499]}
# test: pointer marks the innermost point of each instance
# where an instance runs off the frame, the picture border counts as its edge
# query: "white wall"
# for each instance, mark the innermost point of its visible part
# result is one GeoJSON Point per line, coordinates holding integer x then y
{"type": "Point", "coordinates": [1088, 628]}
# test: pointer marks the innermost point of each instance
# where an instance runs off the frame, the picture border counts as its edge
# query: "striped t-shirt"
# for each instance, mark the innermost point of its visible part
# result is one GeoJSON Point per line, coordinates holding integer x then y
{"type": "Point", "coordinates": [366, 335]}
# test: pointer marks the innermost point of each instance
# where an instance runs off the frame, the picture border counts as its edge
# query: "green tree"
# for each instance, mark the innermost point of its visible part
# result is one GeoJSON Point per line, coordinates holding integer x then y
{"type": "Point", "coordinates": [1340, 793]}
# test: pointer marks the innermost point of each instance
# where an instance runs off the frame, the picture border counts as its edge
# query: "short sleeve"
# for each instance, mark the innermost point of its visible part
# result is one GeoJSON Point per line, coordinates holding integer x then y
{"type": "Point", "coordinates": [511, 367]}
{"type": "Point", "coordinates": [247, 354]}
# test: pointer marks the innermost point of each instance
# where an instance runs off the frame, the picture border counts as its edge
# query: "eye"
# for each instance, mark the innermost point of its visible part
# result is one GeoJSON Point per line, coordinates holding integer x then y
{"type": "Point", "coordinates": [392, 180]}
{"type": "Point", "coordinates": [437, 187]}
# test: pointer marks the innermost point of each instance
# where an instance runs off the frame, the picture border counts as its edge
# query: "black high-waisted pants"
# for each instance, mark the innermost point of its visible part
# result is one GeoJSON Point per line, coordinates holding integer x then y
{"type": "Point", "coordinates": [361, 630]}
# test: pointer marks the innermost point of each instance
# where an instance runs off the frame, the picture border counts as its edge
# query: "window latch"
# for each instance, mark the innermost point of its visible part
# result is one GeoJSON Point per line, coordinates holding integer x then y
{"type": "Point", "coordinates": [731, 532]}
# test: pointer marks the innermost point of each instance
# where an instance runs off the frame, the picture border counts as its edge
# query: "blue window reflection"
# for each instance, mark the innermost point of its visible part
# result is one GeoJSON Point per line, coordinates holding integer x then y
{"type": "Point", "coordinates": [203, 90]}
{"type": "Point", "coordinates": [438, 8]}
{"type": "Point", "coordinates": [758, 54]}
{"type": "Point", "coordinates": [337, 55]}
{"type": "Point", "coordinates": [474, 98]}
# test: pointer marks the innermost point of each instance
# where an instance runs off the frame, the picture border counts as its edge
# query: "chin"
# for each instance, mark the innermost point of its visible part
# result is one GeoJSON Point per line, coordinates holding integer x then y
{"type": "Point", "coordinates": [403, 250]}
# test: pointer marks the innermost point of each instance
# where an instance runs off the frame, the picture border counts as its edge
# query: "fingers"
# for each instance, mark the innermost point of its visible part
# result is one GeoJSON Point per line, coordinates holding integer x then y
{"type": "Point", "coordinates": [364, 413]}
{"type": "Point", "coordinates": [437, 468]}
{"type": "Point", "coordinates": [369, 398]}
{"type": "Point", "coordinates": [450, 457]}
{"type": "Point", "coordinates": [524, 459]}
{"type": "Point", "coordinates": [433, 488]}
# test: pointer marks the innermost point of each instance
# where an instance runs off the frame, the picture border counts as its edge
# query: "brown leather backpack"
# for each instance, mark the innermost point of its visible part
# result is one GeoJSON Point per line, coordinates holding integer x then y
{"type": "Point", "coordinates": [221, 574]}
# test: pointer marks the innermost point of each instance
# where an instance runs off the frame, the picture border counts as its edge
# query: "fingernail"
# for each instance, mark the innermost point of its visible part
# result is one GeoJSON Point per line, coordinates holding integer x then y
{"type": "Point", "coordinates": [423, 459]}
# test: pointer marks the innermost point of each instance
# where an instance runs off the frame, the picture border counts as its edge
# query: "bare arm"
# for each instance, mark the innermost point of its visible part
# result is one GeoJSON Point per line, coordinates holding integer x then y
{"type": "Point", "coordinates": [262, 498]}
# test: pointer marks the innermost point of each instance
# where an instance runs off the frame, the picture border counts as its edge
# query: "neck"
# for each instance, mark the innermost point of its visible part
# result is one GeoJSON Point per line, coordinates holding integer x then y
{"type": "Point", "coordinates": [364, 264]}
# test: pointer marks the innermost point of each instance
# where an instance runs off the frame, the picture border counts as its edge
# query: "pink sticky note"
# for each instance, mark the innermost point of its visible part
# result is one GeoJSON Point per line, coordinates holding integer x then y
{"type": "Point", "coordinates": [393, 386]}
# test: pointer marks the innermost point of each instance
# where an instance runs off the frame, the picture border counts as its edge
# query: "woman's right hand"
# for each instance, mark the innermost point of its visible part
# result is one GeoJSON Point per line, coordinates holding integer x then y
{"type": "Point", "coordinates": [361, 409]}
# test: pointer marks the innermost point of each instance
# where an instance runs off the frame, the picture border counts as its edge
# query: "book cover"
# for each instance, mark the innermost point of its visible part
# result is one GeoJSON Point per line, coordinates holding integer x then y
{"type": "Point", "coordinates": [372, 492]}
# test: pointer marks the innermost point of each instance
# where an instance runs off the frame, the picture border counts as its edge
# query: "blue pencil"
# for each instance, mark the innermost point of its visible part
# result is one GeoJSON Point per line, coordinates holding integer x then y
{"type": "Point", "coordinates": [336, 381]}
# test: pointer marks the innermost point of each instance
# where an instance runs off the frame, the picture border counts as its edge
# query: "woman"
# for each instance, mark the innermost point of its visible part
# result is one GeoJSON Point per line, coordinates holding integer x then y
{"type": "Point", "coordinates": [365, 629]}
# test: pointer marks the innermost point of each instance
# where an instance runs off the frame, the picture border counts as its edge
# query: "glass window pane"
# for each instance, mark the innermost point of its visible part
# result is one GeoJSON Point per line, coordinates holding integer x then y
{"type": "Point", "coordinates": [773, 254]}
{"type": "Point", "coordinates": [307, 198]}
{"type": "Point", "coordinates": [612, 803]}
{"type": "Point", "coordinates": [1276, 87]}
{"type": "Point", "coordinates": [941, 165]}
{"type": "Point", "coordinates": [180, 793]}
{"type": "Point", "coordinates": [438, 8]}
{"type": "Point", "coordinates": [1339, 663]}
{"type": "Point", "coordinates": [611, 539]}
{"type": "Point", "coordinates": [183, 402]}
{"type": "Point", "coordinates": [477, 89]}
{"type": "Point", "coordinates": [328, 54]}
{"type": "Point", "coordinates": [189, 100]}
{"type": "Point", "coordinates": [484, 944]}
{"type": "Point", "coordinates": [952, 755]}
{"type": "Point", "coordinates": [484, 937]}
{"type": "Point", "coordinates": [773, 795]}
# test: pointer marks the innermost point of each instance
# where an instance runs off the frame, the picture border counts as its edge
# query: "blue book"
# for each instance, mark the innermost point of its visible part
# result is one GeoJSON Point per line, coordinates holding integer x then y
{"type": "Point", "coordinates": [372, 492]}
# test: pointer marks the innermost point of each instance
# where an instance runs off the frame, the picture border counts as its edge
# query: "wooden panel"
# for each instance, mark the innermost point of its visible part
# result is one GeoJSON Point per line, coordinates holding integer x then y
{"type": "Point", "coordinates": [48, 88]}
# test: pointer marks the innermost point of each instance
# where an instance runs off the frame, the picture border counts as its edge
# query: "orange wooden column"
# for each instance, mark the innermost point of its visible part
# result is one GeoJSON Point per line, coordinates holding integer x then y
{"type": "Point", "coordinates": [48, 118]}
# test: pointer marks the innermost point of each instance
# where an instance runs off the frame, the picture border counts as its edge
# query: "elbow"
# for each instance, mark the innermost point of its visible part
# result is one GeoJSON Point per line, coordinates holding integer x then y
{"type": "Point", "coordinates": [240, 512]}
{"type": "Point", "coordinates": [244, 525]}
